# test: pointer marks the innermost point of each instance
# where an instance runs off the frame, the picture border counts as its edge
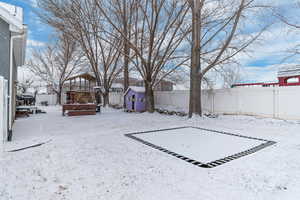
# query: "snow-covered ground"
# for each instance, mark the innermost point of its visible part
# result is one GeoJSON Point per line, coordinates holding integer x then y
{"type": "Point", "coordinates": [89, 158]}
{"type": "Point", "coordinates": [200, 145]}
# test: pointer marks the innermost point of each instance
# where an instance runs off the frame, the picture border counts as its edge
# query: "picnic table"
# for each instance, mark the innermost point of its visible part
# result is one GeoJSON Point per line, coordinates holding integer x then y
{"type": "Point", "coordinates": [22, 113]}
{"type": "Point", "coordinates": [29, 109]}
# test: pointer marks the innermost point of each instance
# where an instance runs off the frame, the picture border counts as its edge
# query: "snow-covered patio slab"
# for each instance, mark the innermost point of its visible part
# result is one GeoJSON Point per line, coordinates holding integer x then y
{"type": "Point", "coordinates": [202, 147]}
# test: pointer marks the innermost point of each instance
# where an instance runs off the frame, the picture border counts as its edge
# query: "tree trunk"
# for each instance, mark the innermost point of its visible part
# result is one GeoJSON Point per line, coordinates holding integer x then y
{"type": "Point", "coordinates": [149, 97]}
{"type": "Point", "coordinates": [126, 52]}
{"type": "Point", "coordinates": [126, 75]}
{"type": "Point", "coordinates": [34, 98]}
{"type": "Point", "coordinates": [195, 95]}
{"type": "Point", "coordinates": [58, 93]}
{"type": "Point", "coordinates": [126, 65]}
{"type": "Point", "coordinates": [126, 46]}
{"type": "Point", "coordinates": [58, 99]}
{"type": "Point", "coordinates": [195, 74]}
{"type": "Point", "coordinates": [98, 92]}
{"type": "Point", "coordinates": [126, 71]}
{"type": "Point", "coordinates": [98, 97]}
{"type": "Point", "coordinates": [105, 98]}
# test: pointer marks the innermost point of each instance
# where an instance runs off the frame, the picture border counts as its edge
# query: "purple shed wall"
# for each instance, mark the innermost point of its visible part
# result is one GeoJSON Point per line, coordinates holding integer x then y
{"type": "Point", "coordinates": [139, 103]}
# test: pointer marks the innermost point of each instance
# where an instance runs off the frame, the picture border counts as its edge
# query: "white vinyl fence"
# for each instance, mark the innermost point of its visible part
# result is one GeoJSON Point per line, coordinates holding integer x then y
{"type": "Point", "coordinates": [116, 98]}
{"type": "Point", "coordinates": [50, 98]}
{"type": "Point", "coordinates": [275, 102]}
{"type": "Point", "coordinates": [3, 109]}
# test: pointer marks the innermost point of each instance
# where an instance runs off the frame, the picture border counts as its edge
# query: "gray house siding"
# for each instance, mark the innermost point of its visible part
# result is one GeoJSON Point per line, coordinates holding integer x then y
{"type": "Point", "coordinates": [10, 60]}
{"type": "Point", "coordinates": [5, 35]}
{"type": "Point", "coordinates": [4, 49]}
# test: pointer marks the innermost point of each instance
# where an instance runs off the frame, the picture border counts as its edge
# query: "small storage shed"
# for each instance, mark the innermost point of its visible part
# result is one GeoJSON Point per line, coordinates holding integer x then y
{"type": "Point", "coordinates": [135, 99]}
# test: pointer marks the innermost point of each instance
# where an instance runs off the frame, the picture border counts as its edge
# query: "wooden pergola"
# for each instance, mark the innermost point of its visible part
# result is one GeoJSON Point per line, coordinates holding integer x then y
{"type": "Point", "coordinates": [80, 89]}
{"type": "Point", "coordinates": [82, 82]}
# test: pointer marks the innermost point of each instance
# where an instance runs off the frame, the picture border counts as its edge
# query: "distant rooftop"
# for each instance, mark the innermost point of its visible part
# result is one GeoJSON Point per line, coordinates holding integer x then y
{"type": "Point", "coordinates": [288, 71]}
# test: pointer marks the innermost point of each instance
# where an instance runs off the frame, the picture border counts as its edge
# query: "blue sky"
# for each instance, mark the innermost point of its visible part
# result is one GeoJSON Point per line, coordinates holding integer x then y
{"type": "Point", "coordinates": [262, 64]}
{"type": "Point", "coordinates": [38, 32]}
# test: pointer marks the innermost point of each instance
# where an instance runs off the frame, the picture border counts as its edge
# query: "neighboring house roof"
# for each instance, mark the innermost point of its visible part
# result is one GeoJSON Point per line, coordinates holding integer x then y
{"type": "Point", "coordinates": [181, 87]}
{"type": "Point", "coordinates": [117, 85]}
{"type": "Point", "coordinates": [289, 71]}
{"type": "Point", "coordinates": [135, 89]}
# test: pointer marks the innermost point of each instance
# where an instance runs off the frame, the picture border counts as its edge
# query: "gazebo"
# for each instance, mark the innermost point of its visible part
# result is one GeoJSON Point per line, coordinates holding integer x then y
{"type": "Point", "coordinates": [80, 94]}
{"type": "Point", "coordinates": [80, 89]}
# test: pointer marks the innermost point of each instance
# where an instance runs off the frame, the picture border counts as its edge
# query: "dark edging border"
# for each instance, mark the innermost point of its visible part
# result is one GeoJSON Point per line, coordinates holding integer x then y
{"type": "Point", "coordinates": [195, 162]}
{"type": "Point", "coordinates": [28, 147]}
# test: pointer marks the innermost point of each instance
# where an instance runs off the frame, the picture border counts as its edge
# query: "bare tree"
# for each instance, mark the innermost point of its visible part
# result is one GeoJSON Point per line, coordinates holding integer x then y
{"type": "Point", "coordinates": [157, 39]}
{"type": "Point", "coordinates": [24, 85]}
{"type": "Point", "coordinates": [217, 37]}
{"type": "Point", "coordinates": [56, 63]}
{"type": "Point", "coordinates": [123, 13]}
{"type": "Point", "coordinates": [82, 20]}
{"type": "Point", "coordinates": [284, 16]}
{"type": "Point", "coordinates": [223, 76]}
{"type": "Point", "coordinates": [230, 76]}
{"type": "Point", "coordinates": [292, 23]}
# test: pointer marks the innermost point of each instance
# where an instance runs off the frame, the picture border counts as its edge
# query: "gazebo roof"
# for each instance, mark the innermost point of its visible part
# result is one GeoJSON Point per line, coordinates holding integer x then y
{"type": "Point", "coordinates": [86, 76]}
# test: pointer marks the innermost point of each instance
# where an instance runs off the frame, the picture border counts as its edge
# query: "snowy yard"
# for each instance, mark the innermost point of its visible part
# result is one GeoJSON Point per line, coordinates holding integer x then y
{"type": "Point", "coordinates": [89, 157]}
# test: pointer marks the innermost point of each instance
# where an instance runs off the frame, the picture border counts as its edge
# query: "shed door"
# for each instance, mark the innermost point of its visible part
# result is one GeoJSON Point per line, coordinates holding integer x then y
{"type": "Point", "coordinates": [133, 102]}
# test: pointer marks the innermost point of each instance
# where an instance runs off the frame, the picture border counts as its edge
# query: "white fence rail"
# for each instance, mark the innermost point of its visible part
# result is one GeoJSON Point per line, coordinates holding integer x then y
{"type": "Point", "coordinates": [276, 102]}
{"type": "Point", "coordinates": [50, 98]}
{"type": "Point", "coordinates": [3, 109]}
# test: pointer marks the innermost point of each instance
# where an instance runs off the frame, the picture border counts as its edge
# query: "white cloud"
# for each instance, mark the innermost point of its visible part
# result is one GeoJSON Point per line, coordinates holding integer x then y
{"type": "Point", "coordinates": [33, 3]}
{"type": "Point", "coordinates": [35, 43]}
{"type": "Point", "coordinates": [270, 49]}
{"type": "Point", "coordinates": [260, 74]}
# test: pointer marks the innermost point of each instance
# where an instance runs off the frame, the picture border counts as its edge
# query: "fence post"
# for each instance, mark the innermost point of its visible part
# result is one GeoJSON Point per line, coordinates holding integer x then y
{"type": "Point", "coordinates": [274, 102]}
{"type": "Point", "coordinates": [212, 101]}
